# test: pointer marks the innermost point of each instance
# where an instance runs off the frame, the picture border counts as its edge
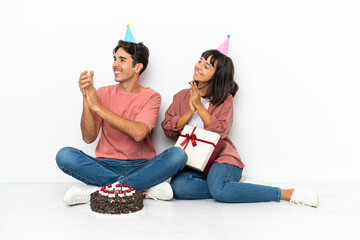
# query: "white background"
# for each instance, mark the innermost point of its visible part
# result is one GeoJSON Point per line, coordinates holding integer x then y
{"type": "Point", "coordinates": [297, 111]}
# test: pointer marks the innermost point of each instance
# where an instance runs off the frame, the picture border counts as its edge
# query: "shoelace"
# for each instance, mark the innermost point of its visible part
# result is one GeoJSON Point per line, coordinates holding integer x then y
{"type": "Point", "coordinates": [82, 197]}
{"type": "Point", "coordinates": [151, 196]}
{"type": "Point", "coordinates": [294, 201]}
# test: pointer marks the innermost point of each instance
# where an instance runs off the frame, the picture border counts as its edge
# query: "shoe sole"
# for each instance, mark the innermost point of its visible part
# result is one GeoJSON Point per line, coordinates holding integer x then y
{"type": "Point", "coordinates": [317, 200]}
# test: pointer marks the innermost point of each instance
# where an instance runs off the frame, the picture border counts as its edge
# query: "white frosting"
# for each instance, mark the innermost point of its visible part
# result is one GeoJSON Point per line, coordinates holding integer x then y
{"type": "Point", "coordinates": [103, 193]}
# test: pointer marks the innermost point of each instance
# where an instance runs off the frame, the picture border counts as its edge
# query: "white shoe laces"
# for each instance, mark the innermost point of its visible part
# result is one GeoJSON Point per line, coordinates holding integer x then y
{"type": "Point", "coordinates": [294, 201]}
{"type": "Point", "coordinates": [304, 197]}
{"type": "Point", "coordinates": [151, 196]}
{"type": "Point", "coordinates": [82, 197]}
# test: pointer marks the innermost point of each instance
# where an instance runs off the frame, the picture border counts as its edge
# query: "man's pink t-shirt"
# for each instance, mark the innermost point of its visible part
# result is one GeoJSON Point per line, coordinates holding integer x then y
{"type": "Point", "coordinates": [140, 107]}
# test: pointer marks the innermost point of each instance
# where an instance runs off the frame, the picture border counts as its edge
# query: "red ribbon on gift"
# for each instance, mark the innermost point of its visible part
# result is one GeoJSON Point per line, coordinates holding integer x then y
{"type": "Point", "coordinates": [192, 138]}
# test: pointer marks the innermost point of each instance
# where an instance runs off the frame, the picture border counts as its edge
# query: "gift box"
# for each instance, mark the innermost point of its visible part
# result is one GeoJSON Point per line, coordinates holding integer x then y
{"type": "Point", "coordinates": [201, 146]}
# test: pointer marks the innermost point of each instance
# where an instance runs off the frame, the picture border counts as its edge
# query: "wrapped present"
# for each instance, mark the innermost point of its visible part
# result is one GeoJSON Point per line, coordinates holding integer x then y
{"type": "Point", "coordinates": [201, 146]}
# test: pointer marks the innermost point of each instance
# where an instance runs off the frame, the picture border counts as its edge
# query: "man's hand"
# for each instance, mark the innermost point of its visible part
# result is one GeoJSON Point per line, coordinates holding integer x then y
{"type": "Point", "coordinates": [86, 80]}
{"type": "Point", "coordinates": [91, 97]}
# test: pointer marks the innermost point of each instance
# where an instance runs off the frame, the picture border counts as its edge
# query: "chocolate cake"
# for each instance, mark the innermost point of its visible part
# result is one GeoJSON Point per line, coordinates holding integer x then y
{"type": "Point", "coordinates": [116, 200]}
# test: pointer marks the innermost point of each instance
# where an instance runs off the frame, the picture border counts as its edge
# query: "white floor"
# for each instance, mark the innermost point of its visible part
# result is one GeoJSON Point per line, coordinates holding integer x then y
{"type": "Point", "coordinates": [36, 211]}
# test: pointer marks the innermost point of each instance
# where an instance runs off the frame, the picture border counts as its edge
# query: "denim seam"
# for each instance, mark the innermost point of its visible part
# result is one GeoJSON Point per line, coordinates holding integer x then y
{"type": "Point", "coordinates": [104, 163]}
{"type": "Point", "coordinates": [226, 179]}
{"type": "Point", "coordinates": [81, 178]}
{"type": "Point", "coordinates": [148, 165]}
{"type": "Point", "coordinates": [134, 173]}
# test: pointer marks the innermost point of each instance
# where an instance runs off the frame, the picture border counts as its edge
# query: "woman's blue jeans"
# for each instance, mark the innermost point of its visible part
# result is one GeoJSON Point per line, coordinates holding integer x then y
{"type": "Point", "coordinates": [141, 174]}
{"type": "Point", "coordinates": [222, 184]}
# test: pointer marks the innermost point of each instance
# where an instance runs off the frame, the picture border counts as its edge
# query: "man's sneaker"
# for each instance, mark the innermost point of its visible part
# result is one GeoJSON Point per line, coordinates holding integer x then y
{"type": "Point", "coordinates": [305, 196]}
{"type": "Point", "coordinates": [162, 191]}
{"type": "Point", "coordinates": [79, 195]}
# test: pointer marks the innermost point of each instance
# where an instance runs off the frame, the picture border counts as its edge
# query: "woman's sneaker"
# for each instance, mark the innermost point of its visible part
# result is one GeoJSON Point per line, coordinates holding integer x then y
{"type": "Point", "coordinates": [305, 196]}
{"type": "Point", "coordinates": [79, 195]}
{"type": "Point", "coordinates": [161, 191]}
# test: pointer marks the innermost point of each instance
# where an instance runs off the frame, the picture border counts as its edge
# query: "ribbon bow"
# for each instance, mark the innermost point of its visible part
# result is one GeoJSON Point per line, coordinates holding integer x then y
{"type": "Point", "coordinates": [188, 138]}
{"type": "Point", "coordinates": [192, 138]}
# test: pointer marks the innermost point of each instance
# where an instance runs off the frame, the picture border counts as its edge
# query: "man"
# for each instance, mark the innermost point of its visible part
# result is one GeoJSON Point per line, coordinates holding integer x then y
{"type": "Point", "coordinates": [126, 113]}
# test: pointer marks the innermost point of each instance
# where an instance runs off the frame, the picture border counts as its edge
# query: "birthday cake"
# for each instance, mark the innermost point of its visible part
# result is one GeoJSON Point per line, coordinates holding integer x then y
{"type": "Point", "coordinates": [116, 200]}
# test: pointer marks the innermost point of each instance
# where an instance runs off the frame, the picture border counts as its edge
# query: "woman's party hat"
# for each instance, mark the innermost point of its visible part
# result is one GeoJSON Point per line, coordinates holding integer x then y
{"type": "Point", "coordinates": [224, 47]}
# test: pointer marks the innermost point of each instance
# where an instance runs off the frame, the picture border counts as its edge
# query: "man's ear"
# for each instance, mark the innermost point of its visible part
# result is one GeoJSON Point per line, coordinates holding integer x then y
{"type": "Point", "coordinates": [138, 67]}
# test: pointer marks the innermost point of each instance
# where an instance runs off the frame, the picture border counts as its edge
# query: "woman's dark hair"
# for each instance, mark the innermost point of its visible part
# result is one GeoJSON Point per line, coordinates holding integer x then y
{"type": "Point", "coordinates": [138, 51]}
{"type": "Point", "coordinates": [222, 82]}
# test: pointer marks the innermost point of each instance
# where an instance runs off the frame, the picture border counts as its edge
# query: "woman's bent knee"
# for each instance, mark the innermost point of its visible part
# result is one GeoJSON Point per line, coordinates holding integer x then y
{"type": "Point", "coordinates": [218, 193]}
{"type": "Point", "coordinates": [219, 196]}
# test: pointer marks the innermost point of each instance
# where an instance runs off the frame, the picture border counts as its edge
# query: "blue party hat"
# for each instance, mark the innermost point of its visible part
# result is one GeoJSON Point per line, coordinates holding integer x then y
{"type": "Point", "coordinates": [128, 36]}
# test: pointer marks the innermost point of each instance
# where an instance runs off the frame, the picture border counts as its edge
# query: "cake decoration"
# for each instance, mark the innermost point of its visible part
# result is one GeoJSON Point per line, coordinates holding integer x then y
{"type": "Point", "coordinates": [121, 193]}
{"type": "Point", "coordinates": [112, 194]}
{"type": "Point", "coordinates": [124, 187]}
{"type": "Point", "coordinates": [103, 192]}
{"type": "Point", "coordinates": [117, 201]}
{"type": "Point", "coordinates": [129, 192]}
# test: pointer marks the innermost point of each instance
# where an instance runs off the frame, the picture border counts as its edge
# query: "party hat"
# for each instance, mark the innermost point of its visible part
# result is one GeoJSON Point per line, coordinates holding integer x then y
{"type": "Point", "coordinates": [128, 36]}
{"type": "Point", "coordinates": [224, 47]}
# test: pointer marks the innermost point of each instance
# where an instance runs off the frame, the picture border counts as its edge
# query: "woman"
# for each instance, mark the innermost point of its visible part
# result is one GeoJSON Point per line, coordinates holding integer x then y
{"type": "Point", "coordinates": [208, 104]}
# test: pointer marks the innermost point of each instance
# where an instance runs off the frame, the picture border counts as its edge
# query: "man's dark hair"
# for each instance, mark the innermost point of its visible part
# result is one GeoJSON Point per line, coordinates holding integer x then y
{"type": "Point", "coordinates": [222, 82]}
{"type": "Point", "coordinates": [138, 51]}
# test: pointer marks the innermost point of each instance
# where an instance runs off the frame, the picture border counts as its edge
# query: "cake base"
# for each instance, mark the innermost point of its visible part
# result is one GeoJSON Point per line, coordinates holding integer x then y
{"type": "Point", "coordinates": [116, 205]}
{"type": "Point", "coordinates": [106, 215]}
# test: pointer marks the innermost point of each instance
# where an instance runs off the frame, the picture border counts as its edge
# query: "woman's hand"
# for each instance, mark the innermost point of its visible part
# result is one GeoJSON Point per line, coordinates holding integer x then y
{"type": "Point", "coordinates": [194, 100]}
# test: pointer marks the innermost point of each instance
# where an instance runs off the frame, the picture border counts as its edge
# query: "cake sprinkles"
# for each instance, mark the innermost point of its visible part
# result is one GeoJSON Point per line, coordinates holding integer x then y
{"type": "Point", "coordinates": [116, 200]}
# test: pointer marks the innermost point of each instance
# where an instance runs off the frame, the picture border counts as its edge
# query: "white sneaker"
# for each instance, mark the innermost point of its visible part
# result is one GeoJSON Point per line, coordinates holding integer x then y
{"type": "Point", "coordinates": [79, 195]}
{"type": "Point", "coordinates": [161, 191]}
{"type": "Point", "coordinates": [305, 196]}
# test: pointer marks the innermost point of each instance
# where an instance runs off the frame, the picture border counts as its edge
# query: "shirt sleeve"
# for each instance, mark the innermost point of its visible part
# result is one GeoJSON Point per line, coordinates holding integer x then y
{"type": "Point", "coordinates": [221, 118]}
{"type": "Point", "coordinates": [150, 111]}
{"type": "Point", "coordinates": [172, 116]}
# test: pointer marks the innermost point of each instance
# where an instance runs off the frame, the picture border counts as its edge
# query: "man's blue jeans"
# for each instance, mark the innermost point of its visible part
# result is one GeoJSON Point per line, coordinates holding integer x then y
{"type": "Point", "coordinates": [222, 184]}
{"type": "Point", "coordinates": [141, 174]}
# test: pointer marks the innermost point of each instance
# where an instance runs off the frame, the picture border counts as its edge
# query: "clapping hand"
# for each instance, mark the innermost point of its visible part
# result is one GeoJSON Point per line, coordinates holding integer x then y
{"type": "Point", "coordinates": [194, 100]}
{"type": "Point", "coordinates": [86, 85]}
{"type": "Point", "coordinates": [86, 80]}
